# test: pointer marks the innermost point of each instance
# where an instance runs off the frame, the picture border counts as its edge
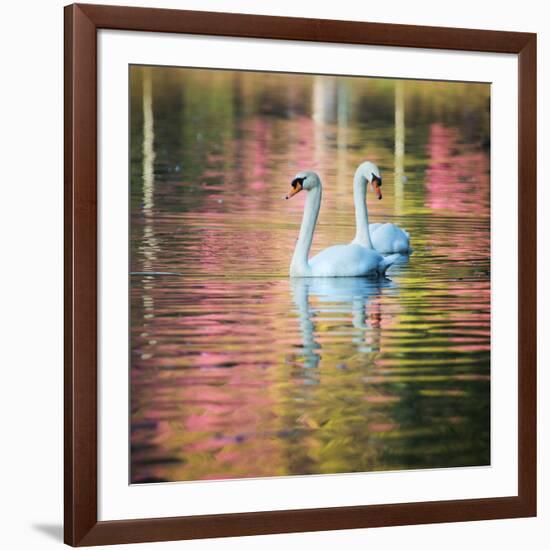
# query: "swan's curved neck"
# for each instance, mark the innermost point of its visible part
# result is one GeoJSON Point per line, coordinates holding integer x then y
{"type": "Point", "coordinates": [299, 265]}
{"type": "Point", "coordinates": [362, 234]}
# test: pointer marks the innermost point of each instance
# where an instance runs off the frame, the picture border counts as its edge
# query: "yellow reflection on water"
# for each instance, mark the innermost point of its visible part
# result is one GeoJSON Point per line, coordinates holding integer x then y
{"type": "Point", "coordinates": [237, 371]}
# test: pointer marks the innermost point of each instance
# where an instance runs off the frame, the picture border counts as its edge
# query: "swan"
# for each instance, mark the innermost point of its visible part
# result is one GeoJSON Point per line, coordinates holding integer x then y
{"type": "Point", "coordinates": [385, 238]}
{"type": "Point", "coordinates": [344, 260]}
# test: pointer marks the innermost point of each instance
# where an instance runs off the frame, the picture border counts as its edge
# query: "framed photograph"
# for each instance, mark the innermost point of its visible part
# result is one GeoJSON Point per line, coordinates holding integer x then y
{"type": "Point", "coordinates": [300, 274]}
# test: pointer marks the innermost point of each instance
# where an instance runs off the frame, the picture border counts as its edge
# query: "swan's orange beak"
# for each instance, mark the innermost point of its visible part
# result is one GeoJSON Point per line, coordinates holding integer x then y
{"type": "Point", "coordinates": [296, 188]}
{"type": "Point", "coordinates": [376, 188]}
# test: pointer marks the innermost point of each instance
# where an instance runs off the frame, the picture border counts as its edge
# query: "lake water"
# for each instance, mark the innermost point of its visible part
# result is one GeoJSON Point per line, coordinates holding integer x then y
{"type": "Point", "coordinates": [238, 370]}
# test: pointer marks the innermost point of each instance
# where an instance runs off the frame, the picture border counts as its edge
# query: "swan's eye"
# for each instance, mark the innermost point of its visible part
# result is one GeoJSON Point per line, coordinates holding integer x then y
{"type": "Point", "coordinates": [297, 181]}
{"type": "Point", "coordinates": [377, 180]}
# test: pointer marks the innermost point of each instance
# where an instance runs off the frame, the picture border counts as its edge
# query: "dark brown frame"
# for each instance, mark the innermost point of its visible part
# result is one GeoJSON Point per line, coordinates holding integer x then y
{"type": "Point", "coordinates": [82, 527]}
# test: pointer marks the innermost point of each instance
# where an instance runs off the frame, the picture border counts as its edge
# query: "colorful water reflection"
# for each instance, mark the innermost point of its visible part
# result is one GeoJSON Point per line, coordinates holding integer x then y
{"type": "Point", "coordinates": [238, 371]}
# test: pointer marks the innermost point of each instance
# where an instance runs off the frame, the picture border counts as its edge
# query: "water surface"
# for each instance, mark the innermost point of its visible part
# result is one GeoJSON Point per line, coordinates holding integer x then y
{"type": "Point", "coordinates": [239, 371]}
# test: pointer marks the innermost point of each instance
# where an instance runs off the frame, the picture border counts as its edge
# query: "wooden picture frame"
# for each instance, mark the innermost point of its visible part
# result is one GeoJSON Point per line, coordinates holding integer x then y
{"type": "Point", "coordinates": [82, 527]}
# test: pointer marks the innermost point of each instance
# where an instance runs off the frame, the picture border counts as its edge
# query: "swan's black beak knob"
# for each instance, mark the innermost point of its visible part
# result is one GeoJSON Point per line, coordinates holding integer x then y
{"type": "Point", "coordinates": [377, 189]}
{"type": "Point", "coordinates": [376, 183]}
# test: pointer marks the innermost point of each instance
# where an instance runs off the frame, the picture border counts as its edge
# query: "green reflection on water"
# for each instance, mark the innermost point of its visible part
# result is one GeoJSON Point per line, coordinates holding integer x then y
{"type": "Point", "coordinates": [238, 371]}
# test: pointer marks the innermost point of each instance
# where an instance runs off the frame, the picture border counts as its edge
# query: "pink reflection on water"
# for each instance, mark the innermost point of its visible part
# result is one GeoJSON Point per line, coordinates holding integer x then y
{"type": "Point", "coordinates": [259, 161]}
{"type": "Point", "coordinates": [457, 177]}
{"type": "Point", "coordinates": [223, 392]}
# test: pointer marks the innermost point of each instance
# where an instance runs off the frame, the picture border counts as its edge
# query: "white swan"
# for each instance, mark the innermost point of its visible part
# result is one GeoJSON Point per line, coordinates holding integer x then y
{"type": "Point", "coordinates": [344, 260]}
{"type": "Point", "coordinates": [385, 238]}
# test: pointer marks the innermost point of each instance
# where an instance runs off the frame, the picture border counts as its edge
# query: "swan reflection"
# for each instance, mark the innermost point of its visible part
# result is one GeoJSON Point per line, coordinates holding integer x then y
{"type": "Point", "coordinates": [348, 307]}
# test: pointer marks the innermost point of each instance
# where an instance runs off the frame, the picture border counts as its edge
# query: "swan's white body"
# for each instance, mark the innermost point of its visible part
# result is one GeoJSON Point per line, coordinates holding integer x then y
{"type": "Point", "coordinates": [344, 260]}
{"type": "Point", "coordinates": [388, 238]}
{"type": "Point", "coordinates": [385, 238]}
{"type": "Point", "coordinates": [347, 260]}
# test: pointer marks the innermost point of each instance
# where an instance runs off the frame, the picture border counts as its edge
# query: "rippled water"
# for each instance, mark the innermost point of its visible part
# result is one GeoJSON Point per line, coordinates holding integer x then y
{"type": "Point", "coordinates": [239, 371]}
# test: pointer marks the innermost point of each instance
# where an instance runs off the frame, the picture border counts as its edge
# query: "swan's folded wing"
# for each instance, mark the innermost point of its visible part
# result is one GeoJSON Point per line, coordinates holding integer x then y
{"type": "Point", "coordinates": [345, 260]}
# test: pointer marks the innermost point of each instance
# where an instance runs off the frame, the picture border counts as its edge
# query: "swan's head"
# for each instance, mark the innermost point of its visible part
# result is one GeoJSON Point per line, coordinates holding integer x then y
{"type": "Point", "coordinates": [371, 173]}
{"type": "Point", "coordinates": [303, 180]}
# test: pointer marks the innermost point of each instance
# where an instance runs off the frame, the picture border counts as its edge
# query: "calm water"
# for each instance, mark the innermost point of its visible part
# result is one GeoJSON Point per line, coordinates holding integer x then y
{"type": "Point", "coordinates": [239, 371]}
